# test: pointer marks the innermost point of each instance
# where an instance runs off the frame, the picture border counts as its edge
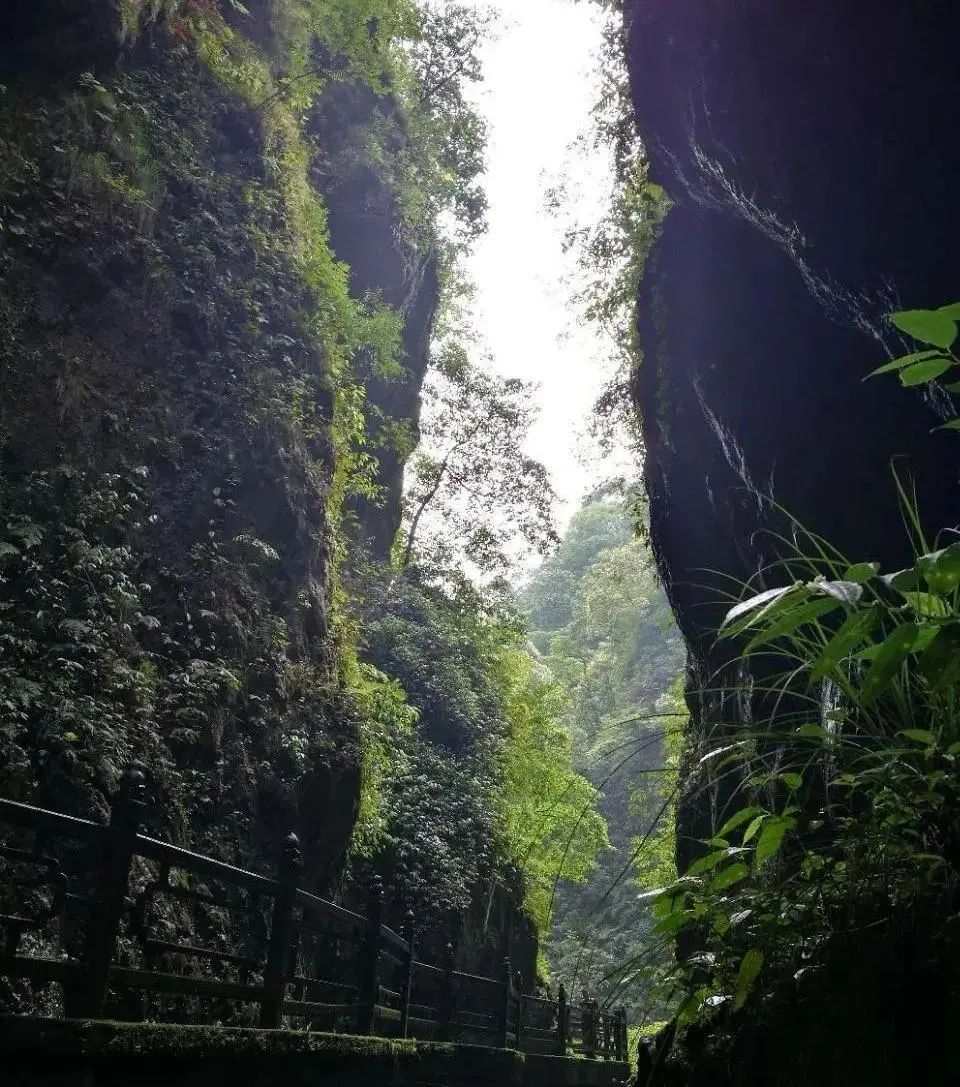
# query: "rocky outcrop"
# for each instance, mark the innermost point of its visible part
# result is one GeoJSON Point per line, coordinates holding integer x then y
{"type": "Point", "coordinates": [388, 263]}
{"type": "Point", "coordinates": [807, 151]}
{"type": "Point", "coordinates": [806, 156]}
{"type": "Point", "coordinates": [172, 308]}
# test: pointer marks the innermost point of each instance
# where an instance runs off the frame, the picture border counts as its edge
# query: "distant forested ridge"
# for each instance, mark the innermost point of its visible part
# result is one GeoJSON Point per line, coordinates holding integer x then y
{"type": "Point", "coordinates": [603, 627]}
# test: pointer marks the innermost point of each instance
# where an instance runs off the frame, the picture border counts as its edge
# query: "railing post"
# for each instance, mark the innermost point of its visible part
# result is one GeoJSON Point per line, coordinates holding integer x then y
{"type": "Point", "coordinates": [621, 1034]}
{"type": "Point", "coordinates": [521, 1005]}
{"type": "Point", "coordinates": [410, 932]}
{"type": "Point", "coordinates": [589, 1024]}
{"type": "Point", "coordinates": [281, 934]}
{"type": "Point", "coordinates": [126, 811]}
{"type": "Point", "coordinates": [448, 1007]}
{"type": "Point", "coordinates": [562, 1021]}
{"type": "Point", "coordinates": [370, 961]}
{"type": "Point", "coordinates": [505, 1001]}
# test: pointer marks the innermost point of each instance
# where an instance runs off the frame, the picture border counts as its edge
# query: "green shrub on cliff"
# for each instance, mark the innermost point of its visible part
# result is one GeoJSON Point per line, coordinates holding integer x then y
{"type": "Point", "coordinates": [480, 801]}
{"type": "Point", "coordinates": [844, 814]}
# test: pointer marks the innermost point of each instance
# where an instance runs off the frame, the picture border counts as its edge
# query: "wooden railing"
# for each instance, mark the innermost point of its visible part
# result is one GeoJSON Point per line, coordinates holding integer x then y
{"type": "Point", "coordinates": [302, 959]}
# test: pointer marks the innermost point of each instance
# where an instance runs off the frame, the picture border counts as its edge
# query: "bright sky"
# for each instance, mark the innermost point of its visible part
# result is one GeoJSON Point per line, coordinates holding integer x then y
{"type": "Point", "coordinates": [540, 85]}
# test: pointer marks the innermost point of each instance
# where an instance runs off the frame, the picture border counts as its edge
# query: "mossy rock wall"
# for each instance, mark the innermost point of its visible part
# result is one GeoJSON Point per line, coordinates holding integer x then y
{"type": "Point", "coordinates": [182, 359]}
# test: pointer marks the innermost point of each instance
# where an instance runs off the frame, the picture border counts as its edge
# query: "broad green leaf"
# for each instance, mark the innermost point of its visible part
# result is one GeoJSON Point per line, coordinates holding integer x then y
{"type": "Point", "coordinates": [674, 897]}
{"type": "Point", "coordinates": [668, 905]}
{"type": "Point", "coordinates": [928, 633]}
{"type": "Point", "coordinates": [927, 606]}
{"type": "Point", "coordinates": [890, 655]}
{"type": "Point", "coordinates": [747, 976]}
{"type": "Point", "coordinates": [751, 830]}
{"type": "Point", "coordinates": [771, 837]}
{"type": "Point", "coordinates": [855, 629]}
{"type": "Point", "coordinates": [954, 424]}
{"type": "Point", "coordinates": [904, 360]}
{"type": "Point", "coordinates": [930, 858]}
{"type": "Point", "coordinates": [809, 612]}
{"type": "Point", "coordinates": [952, 311]}
{"type": "Point", "coordinates": [727, 877]}
{"type": "Point", "coordinates": [706, 863]}
{"type": "Point", "coordinates": [903, 579]}
{"type": "Point", "coordinates": [922, 372]}
{"type": "Point", "coordinates": [741, 615]}
{"type": "Point", "coordinates": [927, 326]}
{"type": "Point", "coordinates": [940, 663]}
{"type": "Point", "coordinates": [738, 819]}
{"type": "Point", "coordinates": [814, 732]}
{"type": "Point", "coordinates": [690, 1008]}
{"type": "Point", "coordinates": [941, 569]}
{"type": "Point", "coordinates": [861, 572]}
{"type": "Point", "coordinates": [672, 924]}
{"type": "Point", "coordinates": [919, 735]}
{"type": "Point", "coordinates": [792, 781]}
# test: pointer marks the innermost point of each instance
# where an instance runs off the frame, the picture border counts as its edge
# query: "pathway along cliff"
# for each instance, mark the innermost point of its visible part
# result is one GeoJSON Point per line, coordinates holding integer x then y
{"type": "Point", "coordinates": [232, 326]}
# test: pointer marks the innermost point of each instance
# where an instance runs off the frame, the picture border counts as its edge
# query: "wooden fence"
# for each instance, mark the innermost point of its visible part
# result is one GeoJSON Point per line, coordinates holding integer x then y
{"type": "Point", "coordinates": [305, 960]}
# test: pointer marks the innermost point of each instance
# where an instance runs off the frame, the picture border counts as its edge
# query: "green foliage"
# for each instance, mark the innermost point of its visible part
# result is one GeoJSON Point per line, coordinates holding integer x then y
{"type": "Point", "coordinates": [552, 826]}
{"type": "Point", "coordinates": [611, 253]}
{"type": "Point", "coordinates": [480, 802]}
{"type": "Point", "coordinates": [844, 814]}
{"type": "Point", "coordinates": [447, 135]}
{"type": "Point", "coordinates": [75, 700]}
{"type": "Point", "coordinates": [386, 721]}
{"type": "Point", "coordinates": [935, 327]}
{"type": "Point", "coordinates": [472, 492]}
{"type": "Point", "coordinates": [440, 817]}
{"type": "Point", "coordinates": [605, 632]}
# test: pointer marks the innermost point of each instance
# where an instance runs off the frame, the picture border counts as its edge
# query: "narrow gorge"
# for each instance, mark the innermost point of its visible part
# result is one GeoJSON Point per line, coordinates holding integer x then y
{"type": "Point", "coordinates": [644, 772]}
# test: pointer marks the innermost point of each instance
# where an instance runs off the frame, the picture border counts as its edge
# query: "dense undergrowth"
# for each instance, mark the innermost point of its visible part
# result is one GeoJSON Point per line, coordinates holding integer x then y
{"type": "Point", "coordinates": [835, 836]}
{"type": "Point", "coordinates": [603, 628]}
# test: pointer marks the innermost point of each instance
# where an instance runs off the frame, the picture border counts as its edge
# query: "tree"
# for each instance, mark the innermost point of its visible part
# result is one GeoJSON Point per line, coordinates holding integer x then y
{"type": "Point", "coordinates": [472, 493]}
{"type": "Point", "coordinates": [552, 826]}
{"type": "Point", "coordinates": [445, 59]}
{"type": "Point", "coordinates": [603, 626]}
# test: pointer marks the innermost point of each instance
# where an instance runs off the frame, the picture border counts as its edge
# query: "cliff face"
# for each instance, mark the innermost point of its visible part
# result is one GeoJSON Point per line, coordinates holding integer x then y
{"type": "Point", "coordinates": [788, 141]}
{"type": "Point", "coordinates": [387, 262]}
{"type": "Point", "coordinates": [805, 150]}
{"type": "Point", "coordinates": [176, 333]}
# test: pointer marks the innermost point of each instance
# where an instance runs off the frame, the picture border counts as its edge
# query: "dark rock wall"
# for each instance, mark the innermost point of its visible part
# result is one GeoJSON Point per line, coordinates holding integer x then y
{"type": "Point", "coordinates": [159, 356]}
{"type": "Point", "coordinates": [808, 149]}
{"type": "Point", "coordinates": [388, 263]}
{"type": "Point", "coordinates": [808, 157]}
{"type": "Point", "coordinates": [808, 153]}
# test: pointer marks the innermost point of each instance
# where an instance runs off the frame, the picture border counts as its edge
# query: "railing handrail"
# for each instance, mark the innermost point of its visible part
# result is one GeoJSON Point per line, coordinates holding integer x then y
{"type": "Point", "coordinates": [26, 815]}
{"type": "Point", "coordinates": [589, 1029]}
{"type": "Point", "coordinates": [199, 864]}
{"type": "Point", "coordinates": [31, 817]}
{"type": "Point", "coordinates": [329, 909]}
